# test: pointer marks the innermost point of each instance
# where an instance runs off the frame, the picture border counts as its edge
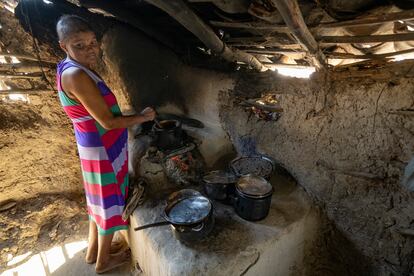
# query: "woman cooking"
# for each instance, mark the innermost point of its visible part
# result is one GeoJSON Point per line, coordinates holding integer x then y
{"type": "Point", "coordinates": [101, 135]}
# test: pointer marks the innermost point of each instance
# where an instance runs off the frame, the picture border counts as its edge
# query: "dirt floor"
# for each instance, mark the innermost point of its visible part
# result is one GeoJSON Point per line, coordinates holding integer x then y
{"type": "Point", "coordinates": [40, 172]}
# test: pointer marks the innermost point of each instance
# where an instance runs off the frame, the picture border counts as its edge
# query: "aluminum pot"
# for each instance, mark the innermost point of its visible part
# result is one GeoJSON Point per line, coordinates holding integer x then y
{"type": "Point", "coordinates": [168, 134]}
{"type": "Point", "coordinates": [253, 197]}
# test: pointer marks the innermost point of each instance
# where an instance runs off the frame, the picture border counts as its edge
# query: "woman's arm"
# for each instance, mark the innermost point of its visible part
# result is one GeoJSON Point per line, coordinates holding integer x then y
{"type": "Point", "coordinates": [78, 84]}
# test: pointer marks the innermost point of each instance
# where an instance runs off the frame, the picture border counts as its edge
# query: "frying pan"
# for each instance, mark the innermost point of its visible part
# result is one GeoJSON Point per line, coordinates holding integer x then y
{"type": "Point", "coordinates": [178, 197]}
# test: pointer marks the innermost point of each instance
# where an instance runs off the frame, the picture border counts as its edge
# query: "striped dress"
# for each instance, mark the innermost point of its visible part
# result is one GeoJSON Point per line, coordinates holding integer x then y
{"type": "Point", "coordinates": [103, 155]}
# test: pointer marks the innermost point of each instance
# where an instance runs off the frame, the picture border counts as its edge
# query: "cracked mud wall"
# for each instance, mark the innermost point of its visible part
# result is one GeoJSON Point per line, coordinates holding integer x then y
{"type": "Point", "coordinates": [347, 143]}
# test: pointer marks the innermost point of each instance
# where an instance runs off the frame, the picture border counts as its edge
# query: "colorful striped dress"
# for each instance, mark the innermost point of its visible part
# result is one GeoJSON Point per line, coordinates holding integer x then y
{"type": "Point", "coordinates": [103, 155]}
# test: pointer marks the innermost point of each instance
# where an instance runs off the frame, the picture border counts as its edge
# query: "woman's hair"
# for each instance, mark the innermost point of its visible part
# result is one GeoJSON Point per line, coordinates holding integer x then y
{"type": "Point", "coordinates": [70, 24]}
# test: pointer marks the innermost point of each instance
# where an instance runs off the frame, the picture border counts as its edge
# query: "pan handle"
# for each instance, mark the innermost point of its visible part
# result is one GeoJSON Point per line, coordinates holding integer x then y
{"type": "Point", "coordinates": [155, 224]}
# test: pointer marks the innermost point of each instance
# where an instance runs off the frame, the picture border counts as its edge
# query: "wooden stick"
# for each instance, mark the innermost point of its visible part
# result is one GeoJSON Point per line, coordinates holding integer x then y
{"type": "Point", "coordinates": [371, 20]}
{"type": "Point", "coordinates": [251, 25]}
{"type": "Point", "coordinates": [22, 65]}
{"type": "Point", "coordinates": [367, 56]}
{"type": "Point", "coordinates": [284, 65]}
{"type": "Point", "coordinates": [366, 38]}
{"type": "Point", "coordinates": [289, 9]}
{"type": "Point", "coordinates": [27, 76]}
{"type": "Point", "coordinates": [25, 91]}
{"type": "Point", "coordinates": [20, 56]}
{"type": "Point", "coordinates": [275, 49]}
{"type": "Point", "coordinates": [186, 17]}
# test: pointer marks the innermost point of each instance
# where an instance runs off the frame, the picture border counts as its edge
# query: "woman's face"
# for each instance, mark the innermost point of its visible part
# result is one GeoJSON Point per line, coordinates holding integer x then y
{"type": "Point", "coordinates": [82, 47]}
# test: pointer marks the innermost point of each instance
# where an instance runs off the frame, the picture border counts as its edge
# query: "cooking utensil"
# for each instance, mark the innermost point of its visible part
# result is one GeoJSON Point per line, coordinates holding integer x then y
{"type": "Point", "coordinates": [157, 123]}
{"type": "Point", "coordinates": [191, 122]}
{"type": "Point", "coordinates": [189, 213]}
{"type": "Point", "coordinates": [253, 196]}
{"type": "Point", "coordinates": [219, 185]}
{"type": "Point", "coordinates": [168, 134]}
{"type": "Point", "coordinates": [259, 165]}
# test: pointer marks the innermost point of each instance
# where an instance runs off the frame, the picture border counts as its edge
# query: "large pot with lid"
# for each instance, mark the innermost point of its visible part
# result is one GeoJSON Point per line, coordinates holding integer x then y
{"type": "Point", "coordinates": [253, 196]}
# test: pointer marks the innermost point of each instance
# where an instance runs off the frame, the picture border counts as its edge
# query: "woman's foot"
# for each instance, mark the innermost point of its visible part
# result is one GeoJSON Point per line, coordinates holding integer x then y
{"type": "Point", "coordinates": [114, 261]}
{"type": "Point", "coordinates": [92, 252]}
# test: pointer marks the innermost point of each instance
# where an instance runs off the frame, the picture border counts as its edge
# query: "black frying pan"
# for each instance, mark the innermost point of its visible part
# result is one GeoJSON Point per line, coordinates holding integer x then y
{"type": "Point", "coordinates": [186, 214]}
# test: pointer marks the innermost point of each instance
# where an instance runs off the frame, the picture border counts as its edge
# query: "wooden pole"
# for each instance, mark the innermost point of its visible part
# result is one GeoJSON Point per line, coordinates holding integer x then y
{"type": "Point", "coordinates": [371, 20]}
{"type": "Point", "coordinates": [186, 17]}
{"type": "Point", "coordinates": [20, 56]}
{"type": "Point", "coordinates": [289, 9]}
{"type": "Point", "coordinates": [251, 25]}
{"type": "Point", "coordinates": [20, 76]}
{"type": "Point", "coordinates": [367, 56]}
{"type": "Point", "coordinates": [29, 67]}
{"type": "Point", "coordinates": [24, 91]}
{"type": "Point", "coordinates": [366, 38]}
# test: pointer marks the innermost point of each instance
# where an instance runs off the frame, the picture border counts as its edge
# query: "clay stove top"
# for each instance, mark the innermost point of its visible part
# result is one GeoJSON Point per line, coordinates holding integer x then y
{"type": "Point", "coordinates": [234, 247]}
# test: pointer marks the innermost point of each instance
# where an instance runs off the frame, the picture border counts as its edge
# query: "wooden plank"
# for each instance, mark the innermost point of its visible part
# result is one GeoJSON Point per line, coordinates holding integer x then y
{"type": "Point", "coordinates": [25, 91]}
{"type": "Point", "coordinates": [20, 76]}
{"type": "Point", "coordinates": [278, 52]}
{"type": "Point", "coordinates": [20, 56]}
{"type": "Point", "coordinates": [365, 38]}
{"type": "Point", "coordinates": [251, 25]}
{"type": "Point", "coordinates": [287, 65]}
{"type": "Point", "coordinates": [367, 56]}
{"type": "Point", "coordinates": [371, 20]}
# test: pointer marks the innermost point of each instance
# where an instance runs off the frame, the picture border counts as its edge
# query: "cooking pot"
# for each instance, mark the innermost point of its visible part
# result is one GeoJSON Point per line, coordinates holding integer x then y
{"type": "Point", "coordinates": [259, 165]}
{"type": "Point", "coordinates": [253, 196]}
{"type": "Point", "coordinates": [189, 214]}
{"type": "Point", "coordinates": [219, 185]}
{"type": "Point", "coordinates": [168, 134]}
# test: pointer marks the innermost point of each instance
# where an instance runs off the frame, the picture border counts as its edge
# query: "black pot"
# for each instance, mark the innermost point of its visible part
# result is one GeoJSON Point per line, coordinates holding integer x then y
{"type": "Point", "coordinates": [253, 196]}
{"type": "Point", "coordinates": [219, 185]}
{"type": "Point", "coordinates": [169, 136]}
{"type": "Point", "coordinates": [185, 229]}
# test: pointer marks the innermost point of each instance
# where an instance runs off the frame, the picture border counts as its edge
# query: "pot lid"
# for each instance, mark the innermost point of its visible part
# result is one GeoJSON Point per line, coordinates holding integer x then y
{"type": "Point", "coordinates": [190, 210]}
{"type": "Point", "coordinates": [254, 185]}
{"type": "Point", "coordinates": [256, 165]}
{"type": "Point", "coordinates": [220, 177]}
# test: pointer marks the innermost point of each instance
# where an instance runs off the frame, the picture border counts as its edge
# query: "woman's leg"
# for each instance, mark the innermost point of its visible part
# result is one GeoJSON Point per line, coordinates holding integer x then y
{"type": "Point", "coordinates": [92, 252]}
{"type": "Point", "coordinates": [92, 243]}
{"type": "Point", "coordinates": [105, 260]}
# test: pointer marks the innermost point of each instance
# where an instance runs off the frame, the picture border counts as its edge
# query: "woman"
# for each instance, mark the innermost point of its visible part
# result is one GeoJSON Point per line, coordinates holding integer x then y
{"type": "Point", "coordinates": [101, 135]}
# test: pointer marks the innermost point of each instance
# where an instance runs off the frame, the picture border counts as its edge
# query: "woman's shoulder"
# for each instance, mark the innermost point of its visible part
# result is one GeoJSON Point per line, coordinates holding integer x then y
{"type": "Point", "coordinates": [75, 74]}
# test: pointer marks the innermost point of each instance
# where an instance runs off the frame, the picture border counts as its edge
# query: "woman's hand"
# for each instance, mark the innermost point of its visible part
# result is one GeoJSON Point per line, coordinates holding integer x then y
{"type": "Point", "coordinates": [148, 113]}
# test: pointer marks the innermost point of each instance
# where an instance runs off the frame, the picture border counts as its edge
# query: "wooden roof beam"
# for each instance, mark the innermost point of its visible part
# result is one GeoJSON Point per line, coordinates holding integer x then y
{"type": "Point", "coordinates": [372, 20]}
{"type": "Point", "coordinates": [366, 21]}
{"type": "Point", "coordinates": [24, 91]}
{"type": "Point", "coordinates": [367, 56]}
{"type": "Point", "coordinates": [289, 9]}
{"type": "Point", "coordinates": [366, 38]}
{"type": "Point", "coordinates": [180, 11]}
